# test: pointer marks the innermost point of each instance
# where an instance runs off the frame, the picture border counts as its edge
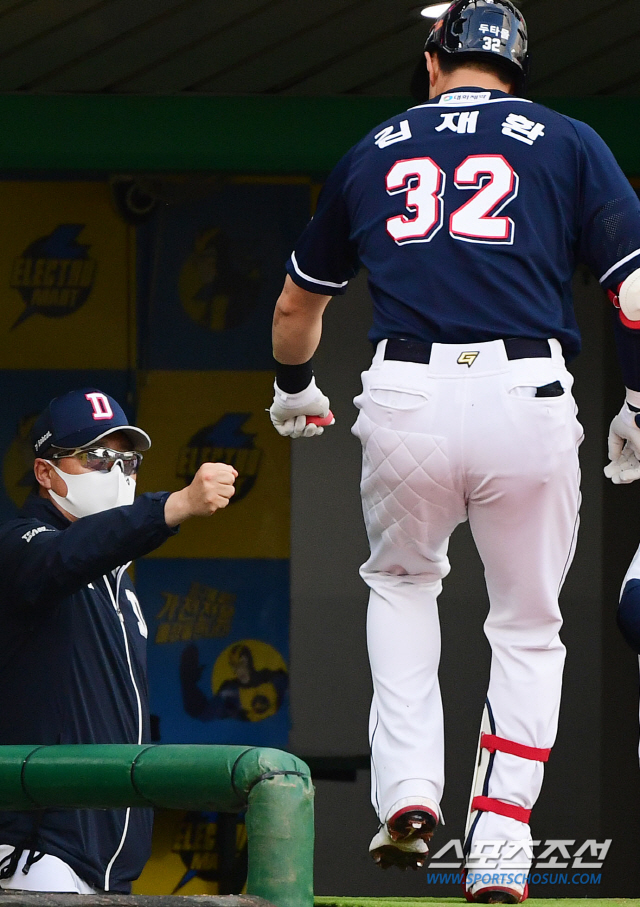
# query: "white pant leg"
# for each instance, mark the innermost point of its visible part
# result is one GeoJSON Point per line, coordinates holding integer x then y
{"type": "Point", "coordinates": [48, 874]}
{"type": "Point", "coordinates": [523, 512]}
{"type": "Point", "coordinates": [411, 503]}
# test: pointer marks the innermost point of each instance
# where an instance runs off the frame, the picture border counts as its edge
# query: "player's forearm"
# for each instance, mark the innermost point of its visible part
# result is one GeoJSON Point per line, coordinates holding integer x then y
{"type": "Point", "coordinates": [297, 324]}
{"type": "Point", "coordinates": [295, 337]}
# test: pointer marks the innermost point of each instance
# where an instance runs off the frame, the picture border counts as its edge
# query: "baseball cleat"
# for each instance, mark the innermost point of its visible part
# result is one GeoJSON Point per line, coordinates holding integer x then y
{"type": "Point", "coordinates": [402, 840]}
{"type": "Point", "coordinates": [404, 854]}
{"type": "Point", "coordinates": [481, 893]}
{"type": "Point", "coordinates": [411, 823]}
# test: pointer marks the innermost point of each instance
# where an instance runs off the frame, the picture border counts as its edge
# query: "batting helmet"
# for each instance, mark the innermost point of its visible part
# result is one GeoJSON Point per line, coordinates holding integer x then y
{"type": "Point", "coordinates": [481, 30]}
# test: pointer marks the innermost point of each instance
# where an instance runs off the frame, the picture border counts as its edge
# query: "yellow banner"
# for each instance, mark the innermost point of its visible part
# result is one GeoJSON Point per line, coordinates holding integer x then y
{"type": "Point", "coordinates": [192, 853]}
{"type": "Point", "coordinates": [198, 417]}
{"type": "Point", "coordinates": [67, 278]}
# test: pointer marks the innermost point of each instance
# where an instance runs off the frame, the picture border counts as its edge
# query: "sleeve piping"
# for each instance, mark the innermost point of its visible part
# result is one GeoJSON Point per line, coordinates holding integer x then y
{"type": "Point", "coordinates": [322, 283]}
{"type": "Point", "coordinates": [619, 264]}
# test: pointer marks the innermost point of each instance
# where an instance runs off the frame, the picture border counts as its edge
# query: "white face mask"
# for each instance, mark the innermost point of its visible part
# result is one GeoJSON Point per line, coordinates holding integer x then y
{"type": "Point", "coordinates": [93, 492]}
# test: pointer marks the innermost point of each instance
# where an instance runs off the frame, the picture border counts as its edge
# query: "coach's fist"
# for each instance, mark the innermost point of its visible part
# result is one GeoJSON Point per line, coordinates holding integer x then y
{"type": "Point", "coordinates": [211, 489]}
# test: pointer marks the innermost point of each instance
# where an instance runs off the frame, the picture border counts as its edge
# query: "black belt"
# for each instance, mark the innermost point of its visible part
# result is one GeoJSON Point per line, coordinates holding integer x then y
{"type": "Point", "coordinates": [419, 351]}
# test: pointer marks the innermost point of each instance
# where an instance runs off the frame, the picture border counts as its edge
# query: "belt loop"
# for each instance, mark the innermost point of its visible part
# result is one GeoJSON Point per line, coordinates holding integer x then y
{"type": "Point", "coordinates": [379, 354]}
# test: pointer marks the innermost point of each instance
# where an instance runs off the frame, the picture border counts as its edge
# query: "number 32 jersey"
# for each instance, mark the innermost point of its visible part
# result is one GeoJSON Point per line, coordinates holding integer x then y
{"type": "Point", "coordinates": [470, 214]}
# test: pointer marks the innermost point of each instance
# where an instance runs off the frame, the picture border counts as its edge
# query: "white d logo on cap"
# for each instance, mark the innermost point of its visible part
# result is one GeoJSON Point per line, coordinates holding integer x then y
{"type": "Point", "coordinates": [100, 405]}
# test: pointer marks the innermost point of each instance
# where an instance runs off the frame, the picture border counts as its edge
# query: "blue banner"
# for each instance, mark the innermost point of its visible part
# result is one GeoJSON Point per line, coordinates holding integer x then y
{"type": "Point", "coordinates": [210, 271]}
{"type": "Point", "coordinates": [218, 649]}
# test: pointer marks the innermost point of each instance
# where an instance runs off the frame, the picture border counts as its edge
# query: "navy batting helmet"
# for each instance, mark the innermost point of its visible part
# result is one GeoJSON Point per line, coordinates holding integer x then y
{"type": "Point", "coordinates": [481, 30]}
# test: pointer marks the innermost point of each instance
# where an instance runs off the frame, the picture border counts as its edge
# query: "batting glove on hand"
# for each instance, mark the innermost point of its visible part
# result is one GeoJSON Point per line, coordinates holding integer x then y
{"type": "Point", "coordinates": [625, 427]}
{"type": "Point", "coordinates": [289, 411]}
{"type": "Point", "coordinates": [625, 469]}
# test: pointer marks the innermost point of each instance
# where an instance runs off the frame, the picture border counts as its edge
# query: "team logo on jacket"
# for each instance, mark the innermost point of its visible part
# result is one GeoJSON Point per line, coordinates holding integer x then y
{"type": "Point", "coordinates": [218, 284]}
{"type": "Point", "coordinates": [54, 275]}
{"type": "Point", "coordinates": [468, 358]}
{"type": "Point", "coordinates": [226, 442]}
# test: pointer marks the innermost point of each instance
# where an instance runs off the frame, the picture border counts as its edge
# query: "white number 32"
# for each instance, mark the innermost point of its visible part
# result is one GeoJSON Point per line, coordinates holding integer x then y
{"type": "Point", "coordinates": [423, 183]}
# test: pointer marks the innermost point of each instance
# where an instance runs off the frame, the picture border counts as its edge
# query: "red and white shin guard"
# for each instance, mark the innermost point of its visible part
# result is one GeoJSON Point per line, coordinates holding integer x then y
{"type": "Point", "coordinates": [503, 879]}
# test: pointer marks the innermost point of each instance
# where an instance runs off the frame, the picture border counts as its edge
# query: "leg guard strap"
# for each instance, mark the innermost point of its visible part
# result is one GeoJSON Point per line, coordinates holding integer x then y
{"type": "Point", "coordinates": [492, 743]}
{"type": "Point", "coordinates": [489, 805]}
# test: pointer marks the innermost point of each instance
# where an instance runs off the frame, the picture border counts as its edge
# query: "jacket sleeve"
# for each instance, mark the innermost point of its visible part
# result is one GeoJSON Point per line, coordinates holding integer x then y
{"type": "Point", "coordinates": [40, 565]}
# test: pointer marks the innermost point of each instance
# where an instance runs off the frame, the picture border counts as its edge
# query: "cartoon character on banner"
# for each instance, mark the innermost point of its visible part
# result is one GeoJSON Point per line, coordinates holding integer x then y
{"type": "Point", "coordinates": [249, 682]}
{"type": "Point", "coordinates": [213, 291]}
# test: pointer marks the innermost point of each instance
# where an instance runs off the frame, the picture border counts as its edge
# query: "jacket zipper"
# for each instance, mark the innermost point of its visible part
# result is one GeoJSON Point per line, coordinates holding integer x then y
{"type": "Point", "coordinates": [115, 600]}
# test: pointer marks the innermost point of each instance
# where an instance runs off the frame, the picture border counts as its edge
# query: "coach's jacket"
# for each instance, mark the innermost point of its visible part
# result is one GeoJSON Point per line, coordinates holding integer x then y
{"type": "Point", "coordinates": [73, 668]}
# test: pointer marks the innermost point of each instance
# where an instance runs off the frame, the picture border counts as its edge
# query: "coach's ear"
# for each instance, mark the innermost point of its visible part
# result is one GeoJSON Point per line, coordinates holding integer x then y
{"type": "Point", "coordinates": [42, 471]}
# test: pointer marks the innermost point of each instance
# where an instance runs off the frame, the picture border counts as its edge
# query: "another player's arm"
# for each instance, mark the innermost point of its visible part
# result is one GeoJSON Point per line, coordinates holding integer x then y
{"type": "Point", "coordinates": [610, 246]}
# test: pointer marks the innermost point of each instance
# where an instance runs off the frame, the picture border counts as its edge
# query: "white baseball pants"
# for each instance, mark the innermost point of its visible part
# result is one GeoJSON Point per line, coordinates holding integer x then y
{"type": "Point", "coordinates": [443, 443]}
{"type": "Point", "coordinates": [47, 874]}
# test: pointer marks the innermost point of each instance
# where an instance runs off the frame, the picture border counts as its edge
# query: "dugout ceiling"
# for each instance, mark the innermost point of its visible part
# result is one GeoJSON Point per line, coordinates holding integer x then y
{"type": "Point", "coordinates": [289, 47]}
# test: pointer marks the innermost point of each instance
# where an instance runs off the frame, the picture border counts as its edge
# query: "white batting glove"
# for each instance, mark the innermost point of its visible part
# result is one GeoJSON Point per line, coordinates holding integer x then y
{"type": "Point", "coordinates": [289, 411]}
{"type": "Point", "coordinates": [624, 428]}
{"type": "Point", "coordinates": [625, 469]}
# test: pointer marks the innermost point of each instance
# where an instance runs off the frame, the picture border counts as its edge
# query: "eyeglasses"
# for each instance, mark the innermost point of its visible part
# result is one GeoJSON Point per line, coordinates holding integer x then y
{"type": "Point", "coordinates": [103, 459]}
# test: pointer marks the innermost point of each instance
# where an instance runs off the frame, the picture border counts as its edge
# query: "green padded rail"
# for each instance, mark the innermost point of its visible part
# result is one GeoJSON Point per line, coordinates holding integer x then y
{"type": "Point", "coordinates": [274, 787]}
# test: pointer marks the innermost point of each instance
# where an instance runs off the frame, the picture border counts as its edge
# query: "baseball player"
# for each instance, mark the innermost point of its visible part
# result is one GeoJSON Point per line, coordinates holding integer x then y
{"type": "Point", "coordinates": [470, 212]}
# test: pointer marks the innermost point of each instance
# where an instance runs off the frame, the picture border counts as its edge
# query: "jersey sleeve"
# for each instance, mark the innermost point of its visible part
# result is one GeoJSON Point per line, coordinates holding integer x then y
{"type": "Point", "coordinates": [41, 565]}
{"type": "Point", "coordinates": [325, 257]}
{"type": "Point", "coordinates": [610, 228]}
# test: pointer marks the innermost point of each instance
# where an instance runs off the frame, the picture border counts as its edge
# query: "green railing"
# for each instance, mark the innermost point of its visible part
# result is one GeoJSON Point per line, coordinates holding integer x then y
{"type": "Point", "coordinates": [274, 787]}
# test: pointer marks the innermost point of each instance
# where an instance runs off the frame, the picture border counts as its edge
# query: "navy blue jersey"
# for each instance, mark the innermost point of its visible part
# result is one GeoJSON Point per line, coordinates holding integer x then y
{"type": "Point", "coordinates": [470, 214]}
{"type": "Point", "coordinates": [73, 667]}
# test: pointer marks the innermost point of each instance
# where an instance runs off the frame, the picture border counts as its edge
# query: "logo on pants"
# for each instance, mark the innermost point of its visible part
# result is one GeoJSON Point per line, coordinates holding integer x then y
{"type": "Point", "coordinates": [468, 358]}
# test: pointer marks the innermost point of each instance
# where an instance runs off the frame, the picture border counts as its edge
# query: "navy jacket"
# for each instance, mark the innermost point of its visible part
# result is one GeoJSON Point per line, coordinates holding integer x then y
{"type": "Point", "coordinates": [73, 668]}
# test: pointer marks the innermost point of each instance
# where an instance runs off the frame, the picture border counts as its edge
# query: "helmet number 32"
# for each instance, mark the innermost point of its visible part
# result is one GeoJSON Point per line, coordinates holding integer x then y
{"type": "Point", "coordinates": [423, 183]}
{"type": "Point", "coordinates": [492, 44]}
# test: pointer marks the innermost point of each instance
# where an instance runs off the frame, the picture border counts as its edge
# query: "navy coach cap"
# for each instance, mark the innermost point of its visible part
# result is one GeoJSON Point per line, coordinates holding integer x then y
{"type": "Point", "coordinates": [80, 418]}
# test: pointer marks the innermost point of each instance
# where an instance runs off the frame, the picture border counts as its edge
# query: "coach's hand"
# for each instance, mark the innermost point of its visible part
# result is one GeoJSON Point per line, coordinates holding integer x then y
{"type": "Point", "coordinates": [211, 489]}
{"type": "Point", "coordinates": [289, 412]}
